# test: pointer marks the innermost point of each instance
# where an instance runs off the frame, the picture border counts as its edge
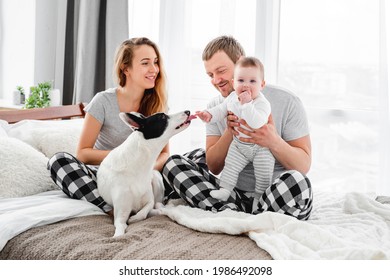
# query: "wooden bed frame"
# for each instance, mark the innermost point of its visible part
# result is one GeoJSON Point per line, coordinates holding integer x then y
{"type": "Point", "coordinates": [49, 113]}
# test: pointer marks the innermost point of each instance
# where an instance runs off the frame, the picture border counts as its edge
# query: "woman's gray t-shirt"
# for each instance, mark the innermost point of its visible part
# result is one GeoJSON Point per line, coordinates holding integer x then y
{"type": "Point", "coordinates": [104, 108]}
{"type": "Point", "coordinates": [290, 121]}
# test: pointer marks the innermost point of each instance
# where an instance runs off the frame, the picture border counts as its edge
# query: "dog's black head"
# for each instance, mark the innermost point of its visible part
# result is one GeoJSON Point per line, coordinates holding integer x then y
{"type": "Point", "coordinates": [151, 127]}
{"type": "Point", "coordinates": [158, 124]}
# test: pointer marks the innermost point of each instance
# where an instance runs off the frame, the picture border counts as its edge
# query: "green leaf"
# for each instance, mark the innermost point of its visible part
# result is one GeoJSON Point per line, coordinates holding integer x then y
{"type": "Point", "coordinates": [39, 96]}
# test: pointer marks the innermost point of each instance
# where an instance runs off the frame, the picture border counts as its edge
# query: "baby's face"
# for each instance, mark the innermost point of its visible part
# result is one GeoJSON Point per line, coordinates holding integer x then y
{"type": "Point", "coordinates": [248, 79]}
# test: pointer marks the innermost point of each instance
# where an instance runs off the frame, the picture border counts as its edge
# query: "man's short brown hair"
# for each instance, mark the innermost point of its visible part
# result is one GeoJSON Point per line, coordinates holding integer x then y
{"type": "Point", "coordinates": [228, 44]}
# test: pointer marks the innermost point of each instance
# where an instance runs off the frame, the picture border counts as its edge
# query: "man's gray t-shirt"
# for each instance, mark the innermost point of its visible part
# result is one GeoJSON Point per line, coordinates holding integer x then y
{"type": "Point", "coordinates": [290, 121]}
{"type": "Point", "coordinates": [104, 107]}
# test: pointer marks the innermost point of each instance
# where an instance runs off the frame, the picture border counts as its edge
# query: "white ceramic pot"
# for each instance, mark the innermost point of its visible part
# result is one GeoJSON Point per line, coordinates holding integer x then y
{"type": "Point", "coordinates": [16, 97]}
{"type": "Point", "coordinates": [55, 97]}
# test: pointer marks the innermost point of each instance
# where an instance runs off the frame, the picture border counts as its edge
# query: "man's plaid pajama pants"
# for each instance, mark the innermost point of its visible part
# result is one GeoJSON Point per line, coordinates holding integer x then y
{"type": "Point", "coordinates": [188, 177]}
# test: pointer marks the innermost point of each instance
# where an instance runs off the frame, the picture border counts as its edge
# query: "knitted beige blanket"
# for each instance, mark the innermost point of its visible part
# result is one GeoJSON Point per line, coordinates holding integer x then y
{"type": "Point", "coordinates": [90, 238]}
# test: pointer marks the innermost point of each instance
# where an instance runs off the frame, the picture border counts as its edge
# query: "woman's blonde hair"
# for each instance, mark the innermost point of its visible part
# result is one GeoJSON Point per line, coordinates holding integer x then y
{"type": "Point", "coordinates": [154, 99]}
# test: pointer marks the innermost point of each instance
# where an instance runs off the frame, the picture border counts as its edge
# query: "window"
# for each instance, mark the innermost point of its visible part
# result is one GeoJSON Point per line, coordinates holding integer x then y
{"type": "Point", "coordinates": [329, 56]}
{"type": "Point", "coordinates": [184, 30]}
{"type": "Point", "coordinates": [144, 19]}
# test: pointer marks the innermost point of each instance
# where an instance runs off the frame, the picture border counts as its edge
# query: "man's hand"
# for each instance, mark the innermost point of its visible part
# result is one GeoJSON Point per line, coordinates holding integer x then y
{"type": "Point", "coordinates": [232, 122]}
{"type": "Point", "coordinates": [292, 155]}
{"type": "Point", "coordinates": [265, 136]}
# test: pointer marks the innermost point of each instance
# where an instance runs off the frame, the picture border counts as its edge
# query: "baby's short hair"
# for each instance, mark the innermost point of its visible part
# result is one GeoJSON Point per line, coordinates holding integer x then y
{"type": "Point", "coordinates": [250, 61]}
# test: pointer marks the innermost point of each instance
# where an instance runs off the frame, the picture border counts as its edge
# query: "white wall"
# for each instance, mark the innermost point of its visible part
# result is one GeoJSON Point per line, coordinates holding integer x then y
{"type": "Point", "coordinates": [31, 44]}
{"type": "Point", "coordinates": [16, 45]}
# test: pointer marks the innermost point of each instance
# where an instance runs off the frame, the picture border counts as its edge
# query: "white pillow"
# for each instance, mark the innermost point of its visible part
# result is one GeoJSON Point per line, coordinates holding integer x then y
{"type": "Point", "coordinates": [23, 169]}
{"type": "Point", "coordinates": [49, 137]}
{"type": "Point", "coordinates": [3, 128]}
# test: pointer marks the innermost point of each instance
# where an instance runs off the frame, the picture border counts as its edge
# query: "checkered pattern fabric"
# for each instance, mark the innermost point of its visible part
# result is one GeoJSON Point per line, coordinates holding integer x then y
{"type": "Point", "coordinates": [76, 179]}
{"type": "Point", "coordinates": [188, 177]}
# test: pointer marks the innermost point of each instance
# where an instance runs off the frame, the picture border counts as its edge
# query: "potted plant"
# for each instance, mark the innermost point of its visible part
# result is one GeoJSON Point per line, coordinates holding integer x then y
{"type": "Point", "coordinates": [39, 96]}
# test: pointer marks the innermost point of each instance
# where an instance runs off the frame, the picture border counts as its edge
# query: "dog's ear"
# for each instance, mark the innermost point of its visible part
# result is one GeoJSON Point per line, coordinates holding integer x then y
{"type": "Point", "coordinates": [133, 120]}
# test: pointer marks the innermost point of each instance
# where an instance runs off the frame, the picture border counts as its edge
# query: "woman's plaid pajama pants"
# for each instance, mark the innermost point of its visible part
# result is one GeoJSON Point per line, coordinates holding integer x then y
{"type": "Point", "coordinates": [188, 177]}
{"type": "Point", "coordinates": [76, 179]}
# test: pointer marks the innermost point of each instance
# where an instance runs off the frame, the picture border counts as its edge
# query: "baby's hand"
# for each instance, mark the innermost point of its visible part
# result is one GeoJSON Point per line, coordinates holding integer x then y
{"type": "Point", "coordinates": [203, 115]}
{"type": "Point", "coordinates": [245, 97]}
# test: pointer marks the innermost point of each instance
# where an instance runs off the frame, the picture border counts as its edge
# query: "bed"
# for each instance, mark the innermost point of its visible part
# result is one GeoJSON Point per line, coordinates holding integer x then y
{"type": "Point", "coordinates": [38, 222]}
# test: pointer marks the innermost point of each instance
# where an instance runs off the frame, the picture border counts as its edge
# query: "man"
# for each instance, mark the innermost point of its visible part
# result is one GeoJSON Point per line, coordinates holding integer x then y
{"type": "Point", "coordinates": [286, 135]}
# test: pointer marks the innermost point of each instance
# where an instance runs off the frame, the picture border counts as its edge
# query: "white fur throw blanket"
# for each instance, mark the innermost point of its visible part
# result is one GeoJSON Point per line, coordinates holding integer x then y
{"type": "Point", "coordinates": [342, 226]}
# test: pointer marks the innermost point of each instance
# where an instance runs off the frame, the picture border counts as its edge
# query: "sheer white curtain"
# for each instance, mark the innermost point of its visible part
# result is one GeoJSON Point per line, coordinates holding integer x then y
{"type": "Point", "coordinates": [94, 30]}
{"type": "Point", "coordinates": [333, 56]}
{"type": "Point", "coordinates": [174, 25]}
{"type": "Point", "coordinates": [384, 62]}
{"type": "Point", "coordinates": [185, 29]}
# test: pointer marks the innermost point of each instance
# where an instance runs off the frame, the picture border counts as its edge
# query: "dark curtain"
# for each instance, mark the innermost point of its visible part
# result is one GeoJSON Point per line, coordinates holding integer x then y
{"type": "Point", "coordinates": [94, 29]}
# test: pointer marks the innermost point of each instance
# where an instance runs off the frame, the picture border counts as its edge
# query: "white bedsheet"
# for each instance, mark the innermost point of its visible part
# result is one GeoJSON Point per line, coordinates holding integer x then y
{"type": "Point", "coordinates": [20, 214]}
{"type": "Point", "coordinates": [342, 226]}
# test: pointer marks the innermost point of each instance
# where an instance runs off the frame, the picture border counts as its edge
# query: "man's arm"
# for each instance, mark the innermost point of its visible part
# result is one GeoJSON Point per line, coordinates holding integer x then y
{"type": "Point", "coordinates": [216, 151]}
{"type": "Point", "coordinates": [217, 146]}
{"type": "Point", "coordinates": [295, 154]}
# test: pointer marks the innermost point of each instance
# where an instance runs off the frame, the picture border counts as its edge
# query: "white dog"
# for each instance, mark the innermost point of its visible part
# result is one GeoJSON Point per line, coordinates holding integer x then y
{"type": "Point", "coordinates": [125, 177]}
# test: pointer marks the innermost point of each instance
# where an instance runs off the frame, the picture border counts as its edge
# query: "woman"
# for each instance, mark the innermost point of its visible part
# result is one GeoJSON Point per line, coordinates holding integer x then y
{"type": "Point", "coordinates": [141, 88]}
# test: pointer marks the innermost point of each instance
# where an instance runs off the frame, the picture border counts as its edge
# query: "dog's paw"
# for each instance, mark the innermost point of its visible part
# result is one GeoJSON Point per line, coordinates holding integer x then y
{"type": "Point", "coordinates": [221, 194]}
{"type": "Point", "coordinates": [119, 231]}
{"type": "Point", "coordinates": [176, 202]}
{"type": "Point", "coordinates": [155, 212]}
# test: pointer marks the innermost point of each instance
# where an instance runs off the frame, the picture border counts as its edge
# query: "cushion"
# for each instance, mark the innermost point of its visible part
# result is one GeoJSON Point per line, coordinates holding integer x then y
{"type": "Point", "coordinates": [3, 128]}
{"type": "Point", "coordinates": [22, 170]}
{"type": "Point", "coordinates": [48, 137]}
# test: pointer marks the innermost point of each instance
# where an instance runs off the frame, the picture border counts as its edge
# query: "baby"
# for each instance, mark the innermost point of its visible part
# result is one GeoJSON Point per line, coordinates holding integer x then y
{"type": "Point", "coordinates": [246, 102]}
